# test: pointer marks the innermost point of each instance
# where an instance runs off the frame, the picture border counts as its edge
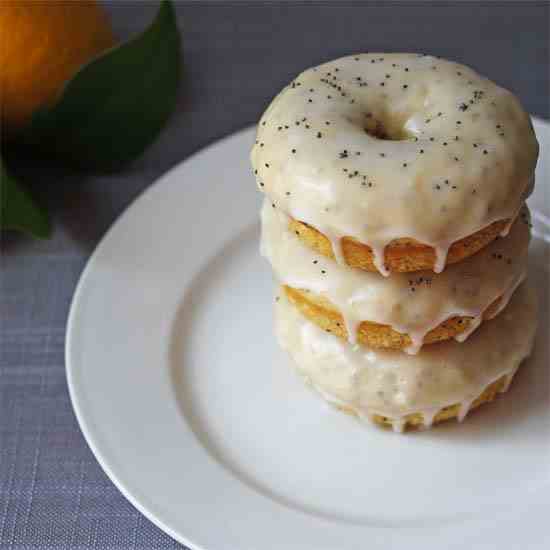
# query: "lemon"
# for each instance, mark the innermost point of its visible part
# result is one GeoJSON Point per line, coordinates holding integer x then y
{"type": "Point", "coordinates": [42, 45]}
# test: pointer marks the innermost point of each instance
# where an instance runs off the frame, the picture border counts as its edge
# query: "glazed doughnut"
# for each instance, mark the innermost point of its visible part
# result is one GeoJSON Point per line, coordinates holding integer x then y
{"type": "Point", "coordinates": [402, 311]}
{"type": "Point", "coordinates": [388, 387]}
{"type": "Point", "coordinates": [392, 158]}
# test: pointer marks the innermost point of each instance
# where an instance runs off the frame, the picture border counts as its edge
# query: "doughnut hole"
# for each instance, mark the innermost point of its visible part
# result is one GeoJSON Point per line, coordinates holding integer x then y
{"type": "Point", "coordinates": [388, 126]}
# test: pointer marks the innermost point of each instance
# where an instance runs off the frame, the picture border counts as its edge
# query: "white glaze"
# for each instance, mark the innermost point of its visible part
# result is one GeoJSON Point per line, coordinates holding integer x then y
{"type": "Point", "coordinates": [505, 298]}
{"type": "Point", "coordinates": [393, 384]}
{"type": "Point", "coordinates": [474, 324]}
{"type": "Point", "coordinates": [395, 190]}
{"type": "Point", "coordinates": [466, 288]}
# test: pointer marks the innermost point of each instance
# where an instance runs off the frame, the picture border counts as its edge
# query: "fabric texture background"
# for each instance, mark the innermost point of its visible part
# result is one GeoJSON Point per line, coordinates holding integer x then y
{"type": "Point", "coordinates": [237, 55]}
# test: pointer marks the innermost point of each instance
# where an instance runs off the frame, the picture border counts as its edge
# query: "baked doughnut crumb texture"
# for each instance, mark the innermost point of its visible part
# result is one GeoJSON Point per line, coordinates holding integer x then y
{"type": "Point", "coordinates": [419, 421]}
{"type": "Point", "coordinates": [400, 255]}
{"type": "Point", "coordinates": [375, 335]}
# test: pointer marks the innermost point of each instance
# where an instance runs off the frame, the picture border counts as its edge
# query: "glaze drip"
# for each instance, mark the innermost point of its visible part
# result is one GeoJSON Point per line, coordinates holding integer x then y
{"type": "Point", "coordinates": [391, 384]}
{"type": "Point", "coordinates": [383, 146]}
{"type": "Point", "coordinates": [412, 304]}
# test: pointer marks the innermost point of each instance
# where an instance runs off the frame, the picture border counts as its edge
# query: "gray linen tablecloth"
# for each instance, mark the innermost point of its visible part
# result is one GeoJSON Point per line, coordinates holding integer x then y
{"type": "Point", "coordinates": [53, 494]}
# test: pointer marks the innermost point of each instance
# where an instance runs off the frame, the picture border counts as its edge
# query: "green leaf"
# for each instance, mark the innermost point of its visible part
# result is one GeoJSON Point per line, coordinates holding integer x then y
{"type": "Point", "coordinates": [116, 105]}
{"type": "Point", "coordinates": [18, 210]}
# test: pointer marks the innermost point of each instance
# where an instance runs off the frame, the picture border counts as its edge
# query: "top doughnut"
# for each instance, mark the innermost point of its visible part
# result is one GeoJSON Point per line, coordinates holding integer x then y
{"type": "Point", "coordinates": [384, 147]}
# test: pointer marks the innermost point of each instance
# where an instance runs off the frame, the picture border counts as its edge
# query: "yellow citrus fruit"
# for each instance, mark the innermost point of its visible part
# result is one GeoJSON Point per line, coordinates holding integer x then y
{"type": "Point", "coordinates": [42, 45]}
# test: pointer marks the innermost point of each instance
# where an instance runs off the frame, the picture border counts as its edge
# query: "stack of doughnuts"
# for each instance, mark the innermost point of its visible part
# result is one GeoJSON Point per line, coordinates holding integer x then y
{"type": "Point", "coordinates": [395, 224]}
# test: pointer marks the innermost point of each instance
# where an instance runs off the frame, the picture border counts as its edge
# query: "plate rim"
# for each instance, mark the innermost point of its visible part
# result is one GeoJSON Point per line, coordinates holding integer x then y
{"type": "Point", "coordinates": [83, 423]}
{"type": "Point", "coordinates": [92, 440]}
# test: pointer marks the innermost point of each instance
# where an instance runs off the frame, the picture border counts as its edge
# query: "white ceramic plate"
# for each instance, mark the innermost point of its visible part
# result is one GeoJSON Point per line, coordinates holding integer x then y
{"type": "Point", "coordinates": [195, 415]}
